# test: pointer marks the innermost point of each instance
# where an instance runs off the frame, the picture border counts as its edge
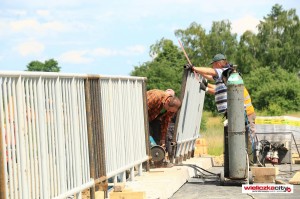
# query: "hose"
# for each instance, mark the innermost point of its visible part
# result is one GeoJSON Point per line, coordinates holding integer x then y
{"type": "Point", "coordinates": [199, 169]}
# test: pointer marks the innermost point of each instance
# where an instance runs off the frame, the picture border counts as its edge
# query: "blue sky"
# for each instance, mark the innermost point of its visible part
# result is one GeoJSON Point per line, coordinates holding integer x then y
{"type": "Point", "coordinates": [110, 37]}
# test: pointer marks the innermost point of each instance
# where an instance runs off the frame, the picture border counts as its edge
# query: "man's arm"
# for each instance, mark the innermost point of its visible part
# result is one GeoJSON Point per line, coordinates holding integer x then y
{"type": "Point", "coordinates": [211, 88]}
{"type": "Point", "coordinates": [206, 72]}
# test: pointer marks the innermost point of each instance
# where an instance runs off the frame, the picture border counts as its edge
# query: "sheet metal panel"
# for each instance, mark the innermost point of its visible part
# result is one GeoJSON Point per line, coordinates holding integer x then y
{"type": "Point", "coordinates": [187, 127]}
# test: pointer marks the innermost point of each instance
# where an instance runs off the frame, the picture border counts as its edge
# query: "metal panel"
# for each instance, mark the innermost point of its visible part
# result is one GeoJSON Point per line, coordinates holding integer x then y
{"type": "Point", "coordinates": [123, 123]}
{"type": "Point", "coordinates": [188, 119]}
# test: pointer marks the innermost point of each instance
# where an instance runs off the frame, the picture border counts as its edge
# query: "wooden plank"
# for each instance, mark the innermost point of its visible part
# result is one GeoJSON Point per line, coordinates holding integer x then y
{"type": "Point", "coordinates": [118, 187]}
{"type": "Point", "coordinates": [99, 195]}
{"type": "Point", "coordinates": [264, 174]}
{"type": "Point", "coordinates": [267, 171]}
{"type": "Point", "coordinates": [295, 179]}
{"type": "Point", "coordinates": [127, 195]}
{"type": "Point", "coordinates": [264, 179]}
{"type": "Point", "coordinates": [280, 182]}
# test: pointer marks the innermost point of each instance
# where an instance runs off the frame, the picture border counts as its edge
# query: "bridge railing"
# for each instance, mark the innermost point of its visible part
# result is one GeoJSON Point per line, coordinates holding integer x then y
{"type": "Point", "coordinates": [62, 133]}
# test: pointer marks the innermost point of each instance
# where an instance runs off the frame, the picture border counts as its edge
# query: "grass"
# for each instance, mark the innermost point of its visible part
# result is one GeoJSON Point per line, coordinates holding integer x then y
{"type": "Point", "coordinates": [213, 133]}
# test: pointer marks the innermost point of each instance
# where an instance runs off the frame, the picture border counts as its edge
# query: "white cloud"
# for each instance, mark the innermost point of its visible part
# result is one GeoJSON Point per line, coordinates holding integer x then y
{"type": "Point", "coordinates": [137, 49]}
{"type": "Point", "coordinates": [88, 56]}
{"type": "Point", "coordinates": [30, 47]}
{"type": "Point", "coordinates": [105, 52]}
{"type": "Point", "coordinates": [128, 51]}
{"type": "Point", "coordinates": [33, 25]}
{"type": "Point", "coordinates": [246, 23]}
{"type": "Point", "coordinates": [43, 13]}
{"type": "Point", "coordinates": [75, 57]}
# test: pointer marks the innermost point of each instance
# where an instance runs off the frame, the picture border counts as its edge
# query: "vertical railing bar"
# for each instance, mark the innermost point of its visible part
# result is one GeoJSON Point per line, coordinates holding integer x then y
{"type": "Point", "coordinates": [8, 138]}
{"type": "Point", "coordinates": [22, 137]}
{"type": "Point", "coordinates": [76, 132]}
{"type": "Point", "coordinates": [48, 135]}
{"type": "Point", "coordinates": [60, 105]}
{"type": "Point", "coordinates": [53, 137]}
{"type": "Point", "coordinates": [37, 131]}
{"type": "Point", "coordinates": [71, 140]}
{"type": "Point", "coordinates": [29, 131]}
{"type": "Point", "coordinates": [33, 129]}
{"type": "Point", "coordinates": [43, 139]}
{"type": "Point", "coordinates": [67, 138]}
{"type": "Point", "coordinates": [14, 141]}
{"type": "Point", "coordinates": [3, 163]}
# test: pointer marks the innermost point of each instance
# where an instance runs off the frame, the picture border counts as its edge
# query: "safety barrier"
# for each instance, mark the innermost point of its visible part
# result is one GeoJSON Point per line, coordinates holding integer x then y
{"type": "Point", "coordinates": [63, 133]}
{"type": "Point", "coordinates": [43, 129]}
{"type": "Point", "coordinates": [124, 115]}
{"type": "Point", "coordinates": [280, 124]}
{"type": "Point", "coordinates": [188, 119]}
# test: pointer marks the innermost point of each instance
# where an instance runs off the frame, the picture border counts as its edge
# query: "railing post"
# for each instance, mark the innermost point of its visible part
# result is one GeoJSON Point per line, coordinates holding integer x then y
{"type": "Point", "coordinates": [90, 134]}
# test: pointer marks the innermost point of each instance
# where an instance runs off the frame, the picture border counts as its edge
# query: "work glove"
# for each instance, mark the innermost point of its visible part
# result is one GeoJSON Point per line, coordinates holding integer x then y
{"type": "Point", "coordinates": [203, 87]}
{"type": "Point", "coordinates": [204, 81]}
{"type": "Point", "coordinates": [188, 67]}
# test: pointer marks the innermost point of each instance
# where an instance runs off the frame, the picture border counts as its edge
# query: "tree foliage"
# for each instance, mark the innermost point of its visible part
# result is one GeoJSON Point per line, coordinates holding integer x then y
{"type": "Point", "coordinates": [269, 60]}
{"type": "Point", "coordinates": [165, 70]}
{"type": "Point", "coordinates": [48, 66]}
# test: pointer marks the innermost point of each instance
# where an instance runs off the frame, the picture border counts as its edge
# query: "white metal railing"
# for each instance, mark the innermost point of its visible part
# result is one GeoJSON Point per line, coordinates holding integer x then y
{"type": "Point", "coordinates": [189, 120]}
{"type": "Point", "coordinates": [122, 104]}
{"type": "Point", "coordinates": [43, 128]}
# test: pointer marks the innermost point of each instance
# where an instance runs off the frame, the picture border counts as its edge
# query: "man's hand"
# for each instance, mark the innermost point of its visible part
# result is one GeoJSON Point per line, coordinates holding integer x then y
{"type": "Point", "coordinates": [188, 67]}
{"type": "Point", "coordinates": [203, 87]}
{"type": "Point", "coordinates": [204, 81]}
{"type": "Point", "coordinates": [162, 143]}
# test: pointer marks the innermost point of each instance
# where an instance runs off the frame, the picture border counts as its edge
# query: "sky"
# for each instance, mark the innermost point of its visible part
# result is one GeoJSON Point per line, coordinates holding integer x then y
{"type": "Point", "coordinates": [111, 37]}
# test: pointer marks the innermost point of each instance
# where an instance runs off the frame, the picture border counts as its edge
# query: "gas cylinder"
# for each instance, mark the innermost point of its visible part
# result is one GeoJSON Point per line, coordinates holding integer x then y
{"type": "Point", "coordinates": [236, 127]}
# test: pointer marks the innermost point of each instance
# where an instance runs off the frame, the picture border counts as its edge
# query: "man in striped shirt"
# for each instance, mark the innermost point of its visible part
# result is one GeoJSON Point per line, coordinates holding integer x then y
{"type": "Point", "coordinates": [161, 106]}
{"type": "Point", "coordinates": [219, 64]}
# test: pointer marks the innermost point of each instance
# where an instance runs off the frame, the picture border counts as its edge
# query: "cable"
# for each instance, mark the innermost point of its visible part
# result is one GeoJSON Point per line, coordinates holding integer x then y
{"type": "Point", "coordinates": [247, 162]}
{"type": "Point", "coordinates": [197, 168]}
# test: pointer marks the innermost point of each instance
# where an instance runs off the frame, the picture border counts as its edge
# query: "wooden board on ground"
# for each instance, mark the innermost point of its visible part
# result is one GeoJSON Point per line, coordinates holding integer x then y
{"type": "Point", "coordinates": [295, 179]}
{"type": "Point", "coordinates": [127, 195]}
{"type": "Point", "coordinates": [264, 174]}
{"type": "Point", "coordinates": [99, 195]}
{"type": "Point", "coordinates": [118, 187]}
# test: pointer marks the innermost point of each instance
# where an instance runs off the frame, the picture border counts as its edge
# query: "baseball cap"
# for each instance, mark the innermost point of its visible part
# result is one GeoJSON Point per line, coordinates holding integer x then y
{"type": "Point", "coordinates": [218, 57]}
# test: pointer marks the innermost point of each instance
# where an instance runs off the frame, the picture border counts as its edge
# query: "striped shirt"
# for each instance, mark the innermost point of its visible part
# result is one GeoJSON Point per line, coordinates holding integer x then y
{"type": "Point", "coordinates": [220, 91]}
{"type": "Point", "coordinates": [155, 101]}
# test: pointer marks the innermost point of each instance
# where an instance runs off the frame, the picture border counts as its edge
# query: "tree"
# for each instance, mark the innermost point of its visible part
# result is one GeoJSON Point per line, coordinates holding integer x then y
{"type": "Point", "coordinates": [49, 66]}
{"type": "Point", "coordinates": [165, 70]}
{"type": "Point", "coordinates": [201, 47]}
{"type": "Point", "coordinates": [274, 91]}
{"type": "Point", "coordinates": [247, 53]}
{"type": "Point", "coordinates": [279, 39]}
{"type": "Point", "coordinates": [269, 60]}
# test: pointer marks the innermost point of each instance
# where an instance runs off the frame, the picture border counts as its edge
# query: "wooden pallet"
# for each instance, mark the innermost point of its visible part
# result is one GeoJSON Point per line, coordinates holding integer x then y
{"type": "Point", "coordinates": [295, 179]}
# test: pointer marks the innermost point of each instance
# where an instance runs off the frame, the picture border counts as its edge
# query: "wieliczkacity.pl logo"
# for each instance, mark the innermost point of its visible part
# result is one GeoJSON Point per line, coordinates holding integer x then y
{"type": "Point", "coordinates": [264, 188]}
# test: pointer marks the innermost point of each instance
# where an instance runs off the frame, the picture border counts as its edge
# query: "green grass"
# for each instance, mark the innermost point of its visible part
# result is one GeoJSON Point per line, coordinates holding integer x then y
{"type": "Point", "coordinates": [213, 133]}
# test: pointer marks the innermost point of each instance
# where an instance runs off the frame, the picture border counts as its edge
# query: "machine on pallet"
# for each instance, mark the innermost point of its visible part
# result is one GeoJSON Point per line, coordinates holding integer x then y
{"type": "Point", "coordinates": [236, 161]}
